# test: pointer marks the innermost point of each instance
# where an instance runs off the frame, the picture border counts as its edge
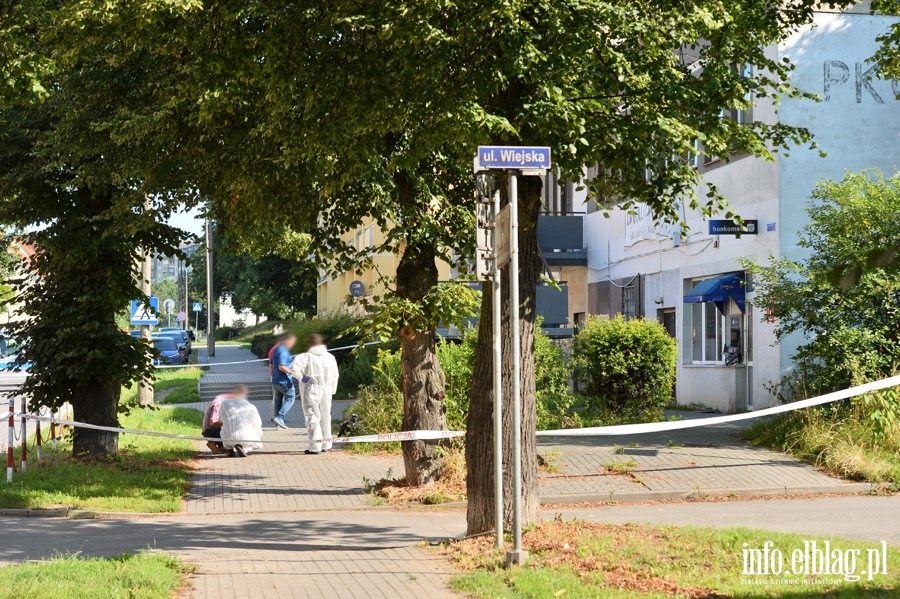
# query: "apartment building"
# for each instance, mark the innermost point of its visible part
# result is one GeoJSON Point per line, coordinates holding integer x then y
{"type": "Point", "coordinates": [695, 284]}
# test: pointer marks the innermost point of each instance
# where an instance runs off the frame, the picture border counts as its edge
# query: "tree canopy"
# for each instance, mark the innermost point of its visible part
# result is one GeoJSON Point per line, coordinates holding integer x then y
{"type": "Point", "coordinates": [851, 335]}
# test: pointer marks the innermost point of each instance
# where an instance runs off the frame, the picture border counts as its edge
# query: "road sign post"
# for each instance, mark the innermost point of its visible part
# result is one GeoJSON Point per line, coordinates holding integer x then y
{"type": "Point", "coordinates": [497, 243]}
{"type": "Point", "coordinates": [197, 308]}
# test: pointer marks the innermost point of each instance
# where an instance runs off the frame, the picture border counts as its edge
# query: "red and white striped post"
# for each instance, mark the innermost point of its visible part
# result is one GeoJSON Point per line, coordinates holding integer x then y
{"type": "Point", "coordinates": [24, 434]}
{"type": "Point", "coordinates": [11, 440]}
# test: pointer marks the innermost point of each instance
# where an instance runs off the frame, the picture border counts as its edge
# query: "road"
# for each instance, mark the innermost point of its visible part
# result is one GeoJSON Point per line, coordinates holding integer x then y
{"type": "Point", "coordinates": [870, 518]}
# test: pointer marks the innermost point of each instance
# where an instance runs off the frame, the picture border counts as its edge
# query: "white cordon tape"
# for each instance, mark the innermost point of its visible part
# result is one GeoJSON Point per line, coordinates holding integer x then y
{"type": "Point", "coordinates": [379, 438]}
{"type": "Point", "coordinates": [656, 427]}
{"type": "Point", "coordinates": [600, 431]}
{"type": "Point", "coordinates": [214, 364]}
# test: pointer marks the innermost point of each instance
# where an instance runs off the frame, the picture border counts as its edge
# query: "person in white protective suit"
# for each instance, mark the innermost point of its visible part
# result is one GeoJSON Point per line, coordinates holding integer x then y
{"type": "Point", "coordinates": [241, 426]}
{"type": "Point", "coordinates": [317, 372]}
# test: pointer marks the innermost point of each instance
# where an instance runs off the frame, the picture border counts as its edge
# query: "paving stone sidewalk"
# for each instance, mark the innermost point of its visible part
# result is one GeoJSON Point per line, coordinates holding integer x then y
{"type": "Point", "coordinates": [705, 460]}
{"type": "Point", "coordinates": [300, 555]}
{"type": "Point", "coordinates": [708, 460]}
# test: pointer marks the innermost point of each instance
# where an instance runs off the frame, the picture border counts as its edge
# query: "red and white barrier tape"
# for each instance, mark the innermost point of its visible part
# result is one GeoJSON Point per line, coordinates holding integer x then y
{"type": "Point", "coordinates": [625, 429]}
{"type": "Point", "coordinates": [378, 438]}
{"type": "Point", "coordinates": [655, 427]}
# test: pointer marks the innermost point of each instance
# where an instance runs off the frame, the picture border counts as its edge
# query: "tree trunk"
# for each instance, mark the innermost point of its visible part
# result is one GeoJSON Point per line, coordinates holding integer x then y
{"type": "Point", "coordinates": [96, 402]}
{"type": "Point", "coordinates": [423, 379]}
{"type": "Point", "coordinates": [480, 427]}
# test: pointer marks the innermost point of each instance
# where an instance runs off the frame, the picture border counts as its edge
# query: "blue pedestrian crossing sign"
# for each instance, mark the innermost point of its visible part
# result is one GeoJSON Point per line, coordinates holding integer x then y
{"type": "Point", "coordinates": [197, 307]}
{"type": "Point", "coordinates": [145, 312]}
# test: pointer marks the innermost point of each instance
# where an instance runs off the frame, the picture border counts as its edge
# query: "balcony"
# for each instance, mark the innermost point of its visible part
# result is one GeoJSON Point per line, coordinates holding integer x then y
{"type": "Point", "coordinates": [561, 239]}
{"type": "Point", "coordinates": [552, 305]}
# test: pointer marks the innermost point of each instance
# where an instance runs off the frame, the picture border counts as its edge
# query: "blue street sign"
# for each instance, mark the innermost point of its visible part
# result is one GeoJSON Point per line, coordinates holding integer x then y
{"type": "Point", "coordinates": [142, 313]}
{"type": "Point", "coordinates": [514, 157]}
{"type": "Point", "coordinates": [197, 307]}
{"type": "Point", "coordinates": [729, 227]}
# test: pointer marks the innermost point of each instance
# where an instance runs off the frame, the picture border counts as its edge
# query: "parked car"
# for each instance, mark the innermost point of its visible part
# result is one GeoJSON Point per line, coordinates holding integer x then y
{"type": "Point", "coordinates": [183, 343]}
{"type": "Point", "coordinates": [186, 336]}
{"type": "Point", "coordinates": [169, 352]}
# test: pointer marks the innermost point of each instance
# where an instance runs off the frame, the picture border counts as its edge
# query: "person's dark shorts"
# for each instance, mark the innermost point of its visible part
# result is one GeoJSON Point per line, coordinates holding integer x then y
{"type": "Point", "coordinates": [215, 432]}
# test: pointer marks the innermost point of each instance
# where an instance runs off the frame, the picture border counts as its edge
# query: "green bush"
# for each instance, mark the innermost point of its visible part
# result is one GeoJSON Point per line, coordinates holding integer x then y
{"type": "Point", "coordinates": [226, 333]}
{"type": "Point", "coordinates": [551, 377]}
{"type": "Point", "coordinates": [627, 367]}
{"type": "Point", "coordinates": [261, 344]}
{"type": "Point", "coordinates": [457, 360]}
{"type": "Point", "coordinates": [339, 330]}
{"type": "Point", "coordinates": [380, 405]}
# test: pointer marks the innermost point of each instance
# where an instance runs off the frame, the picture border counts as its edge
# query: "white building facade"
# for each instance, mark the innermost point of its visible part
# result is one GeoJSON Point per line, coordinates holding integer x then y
{"type": "Point", "coordinates": [695, 284]}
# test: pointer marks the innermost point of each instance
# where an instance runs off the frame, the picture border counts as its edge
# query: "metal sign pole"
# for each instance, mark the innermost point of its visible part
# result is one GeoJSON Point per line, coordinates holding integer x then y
{"type": "Point", "coordinates": [24, 433]}
{"type": "Point", "coordinates": [10, 440]}
{"type": "Point", "coordinates": [517, 555]}
{"type": "Point", "coordinates": [498, 386]}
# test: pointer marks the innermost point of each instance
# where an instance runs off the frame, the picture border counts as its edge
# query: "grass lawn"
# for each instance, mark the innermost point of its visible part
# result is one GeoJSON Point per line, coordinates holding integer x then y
{"type": "Point", "coordinates": [592, 560]}
{"type": "Point", "coordinates": [177, 385]}
{"type": "Point", "coordinates": [150, 474]}
{"type": "Point", "coordinates": [835, 439]}
{"type": "Point", "coordinates": [142, 576]}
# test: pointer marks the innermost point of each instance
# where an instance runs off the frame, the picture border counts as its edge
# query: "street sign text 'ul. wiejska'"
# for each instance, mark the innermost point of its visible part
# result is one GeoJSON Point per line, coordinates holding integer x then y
{"type": "Point", "coordinates": [513, 157]}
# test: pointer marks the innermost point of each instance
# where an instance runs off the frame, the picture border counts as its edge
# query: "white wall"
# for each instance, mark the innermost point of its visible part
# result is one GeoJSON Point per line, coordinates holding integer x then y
{"type": "Point", "coordinates": [857, 123]}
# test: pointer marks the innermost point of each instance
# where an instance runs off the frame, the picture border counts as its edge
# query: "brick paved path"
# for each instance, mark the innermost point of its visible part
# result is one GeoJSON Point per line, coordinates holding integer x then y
{"type": "Point", "coordinates": [704, 460]}
{"type": "Point", "coordinates": [333, 555]}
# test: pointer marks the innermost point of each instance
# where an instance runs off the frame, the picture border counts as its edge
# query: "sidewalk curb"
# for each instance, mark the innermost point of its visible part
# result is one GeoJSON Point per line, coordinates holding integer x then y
{"type": "Point", "coordinates": [640, 496]}
{"type": "Point", "coordinates": [74, 514]}
{"type": "Point", "coordinates": [850, 488]}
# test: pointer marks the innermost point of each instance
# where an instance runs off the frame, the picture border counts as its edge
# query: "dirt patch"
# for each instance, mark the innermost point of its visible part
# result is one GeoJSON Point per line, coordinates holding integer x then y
{"type": "Point", "coordinates": [573, 546]}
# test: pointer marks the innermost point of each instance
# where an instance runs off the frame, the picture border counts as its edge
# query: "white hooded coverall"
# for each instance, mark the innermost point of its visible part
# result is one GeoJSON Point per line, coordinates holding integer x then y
{"type": "Point", "coordinates": [315, 394]}
{"type": "Point", "coordinates": [241, 424]}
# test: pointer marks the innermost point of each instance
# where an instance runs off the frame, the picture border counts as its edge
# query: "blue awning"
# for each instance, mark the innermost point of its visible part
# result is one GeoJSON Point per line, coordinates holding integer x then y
{"type": "Point", "coordinates": [718, 290]}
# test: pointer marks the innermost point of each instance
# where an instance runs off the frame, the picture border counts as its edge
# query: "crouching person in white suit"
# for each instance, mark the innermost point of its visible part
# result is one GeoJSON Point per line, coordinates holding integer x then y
{"type": "Point", "coordinates": [317, 372]}
{"type": "Point", "coordinates": [241, 426]}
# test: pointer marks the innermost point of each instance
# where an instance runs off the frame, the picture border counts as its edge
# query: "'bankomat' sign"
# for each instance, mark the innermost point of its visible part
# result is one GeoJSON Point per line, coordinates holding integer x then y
{"type": "Point", "coordinates": [729, 227]}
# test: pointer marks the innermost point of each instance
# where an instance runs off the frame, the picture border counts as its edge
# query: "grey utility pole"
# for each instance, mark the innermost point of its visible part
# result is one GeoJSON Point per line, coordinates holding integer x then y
{"type": "Point", "coordinates": [210, 324]}
{"type": "Point", "coordinates": [145, 387]}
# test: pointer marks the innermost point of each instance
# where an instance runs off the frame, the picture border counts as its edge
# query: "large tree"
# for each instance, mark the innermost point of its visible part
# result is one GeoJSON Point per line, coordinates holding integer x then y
{"type": "Point", "coordinates": [313, 117]}
{"type": "Point", "coordinates": [70, 186]}
{"type": "Point", "coordinates": [851, 336]}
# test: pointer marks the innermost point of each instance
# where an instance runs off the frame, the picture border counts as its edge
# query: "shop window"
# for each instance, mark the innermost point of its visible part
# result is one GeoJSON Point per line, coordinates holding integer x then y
{"type": "Point", "coordinates": [708, 333]}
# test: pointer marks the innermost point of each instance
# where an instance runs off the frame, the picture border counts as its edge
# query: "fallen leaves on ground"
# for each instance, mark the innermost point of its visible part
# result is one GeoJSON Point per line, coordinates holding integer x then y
{"type": "Point", "coordinates": [573, 545]}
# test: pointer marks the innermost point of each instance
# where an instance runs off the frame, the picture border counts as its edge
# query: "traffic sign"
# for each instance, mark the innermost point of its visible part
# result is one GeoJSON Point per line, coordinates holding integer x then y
{"type": "Point", "coordinates": [182, 316]}
{"type": "Point", "coordinates": [357, 289]}
{"type": "Point", "coordinates": [197, 307]}
{"type": "Point", "coordinates": [145, 313]}
{"type": "Point", "coordinates": [168, 305]}
{"type": "Point", "coordinates": [513, 157]}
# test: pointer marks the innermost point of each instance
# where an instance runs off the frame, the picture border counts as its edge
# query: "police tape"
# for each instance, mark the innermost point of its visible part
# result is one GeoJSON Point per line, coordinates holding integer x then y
{"type": "Point", "coordinates": [215, 364]}
{"type": "Point", "coordinates": [377, 438]}
{"type": "Point", "coordinates": [657, 427]}
{"type": "Point", "coordinates": [597, 431]}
